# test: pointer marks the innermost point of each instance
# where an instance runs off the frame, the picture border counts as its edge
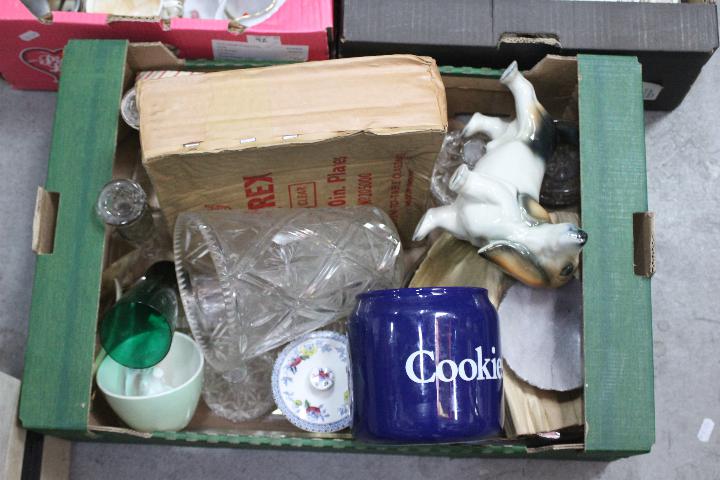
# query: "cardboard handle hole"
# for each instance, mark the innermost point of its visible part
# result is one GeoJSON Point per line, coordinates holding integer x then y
{"type": "Point", "coordinates": [644, 243]}
{"type": "Point", "coordinates": [235, 27]}
{"type": "Point", "coordinates": [550, 39]}
{"type": "Point", "coordinates": [45, 221]}
{"type": "Point", "coordinates": [46, 19]}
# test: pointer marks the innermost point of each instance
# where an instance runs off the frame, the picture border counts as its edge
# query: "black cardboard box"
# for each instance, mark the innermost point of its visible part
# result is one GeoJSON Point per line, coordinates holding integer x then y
{"type": "Point", "coordinates": [672, 41]}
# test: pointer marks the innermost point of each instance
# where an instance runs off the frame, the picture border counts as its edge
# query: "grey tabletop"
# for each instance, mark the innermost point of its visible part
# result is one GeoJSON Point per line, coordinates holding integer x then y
{"type": "Point", "coordinates": [683, 158]}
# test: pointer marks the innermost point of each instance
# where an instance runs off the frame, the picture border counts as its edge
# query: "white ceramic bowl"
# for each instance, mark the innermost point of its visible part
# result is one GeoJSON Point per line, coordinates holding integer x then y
{"type": "Point", "coordinates": [170, 410]}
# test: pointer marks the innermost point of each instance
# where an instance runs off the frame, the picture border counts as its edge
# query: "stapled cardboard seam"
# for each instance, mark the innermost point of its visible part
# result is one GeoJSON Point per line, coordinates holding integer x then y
{"type": "Point", "coordinates": [193, 148]}
{"type": "Point", "coordinates": [152, 148]}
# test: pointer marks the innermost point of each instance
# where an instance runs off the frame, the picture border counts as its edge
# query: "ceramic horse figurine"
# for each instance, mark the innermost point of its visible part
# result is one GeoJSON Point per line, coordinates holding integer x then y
{"type": "Point", "coordinates": [497, 208]}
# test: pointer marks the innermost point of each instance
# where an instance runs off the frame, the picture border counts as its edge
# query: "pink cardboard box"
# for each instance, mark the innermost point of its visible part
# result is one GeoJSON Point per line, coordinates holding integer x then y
{"type": "Point", "coordinates": [31, 50]}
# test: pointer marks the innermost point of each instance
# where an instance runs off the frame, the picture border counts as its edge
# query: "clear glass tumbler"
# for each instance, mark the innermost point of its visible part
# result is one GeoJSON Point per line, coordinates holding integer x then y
{"type": "Point", "coordinates": [251, 281]}
{"type": "Point", "coordinates": [241, 394]}
{"type": "Point", "coordinates": [122, 204]}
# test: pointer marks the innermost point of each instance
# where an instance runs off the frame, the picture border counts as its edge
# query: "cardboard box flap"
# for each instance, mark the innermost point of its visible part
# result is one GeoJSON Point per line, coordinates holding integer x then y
{"type": "Point", "coordinates": [58, 358]}
{"type": "Point", "coordinates": [300, 103]}
{"type": "Point", "coordinates": [152, 56]}
{"type": "Point", "coordinates": [617, 308]}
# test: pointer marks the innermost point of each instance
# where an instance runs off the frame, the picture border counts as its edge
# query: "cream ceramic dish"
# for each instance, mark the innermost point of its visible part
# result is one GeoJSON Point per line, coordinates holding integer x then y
{"type": "Point", "coordinates": [161, 398]}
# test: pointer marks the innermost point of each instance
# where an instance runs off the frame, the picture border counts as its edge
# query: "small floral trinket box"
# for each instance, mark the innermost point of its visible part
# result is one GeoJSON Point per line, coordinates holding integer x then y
{"type": "Point", "coordinates": [310, 382]}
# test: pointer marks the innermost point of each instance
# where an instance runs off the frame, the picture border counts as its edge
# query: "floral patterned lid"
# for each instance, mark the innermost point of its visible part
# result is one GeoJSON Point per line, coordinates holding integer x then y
{"type": "Point", "coordinates": [310, 382]}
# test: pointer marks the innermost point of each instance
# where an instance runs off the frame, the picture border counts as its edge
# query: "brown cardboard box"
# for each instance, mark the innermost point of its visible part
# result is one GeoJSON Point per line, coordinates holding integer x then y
{"type": "Point", "coordinates": [334, 133]}
{"type": "Point", "coordinates": [603, 92]}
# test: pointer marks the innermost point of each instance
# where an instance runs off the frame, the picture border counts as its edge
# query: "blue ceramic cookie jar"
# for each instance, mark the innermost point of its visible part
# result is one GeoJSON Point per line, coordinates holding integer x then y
{"type": "Point", "coordinates": [426, 366]}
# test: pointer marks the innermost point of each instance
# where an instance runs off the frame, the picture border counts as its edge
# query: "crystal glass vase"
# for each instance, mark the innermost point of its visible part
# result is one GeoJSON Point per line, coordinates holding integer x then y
{"type": "Point", "coordinates": [455, 151]}
{"type": "Point", "coordinates": [251, 281]}
{"type": "Point", "coordinates": [241, 394]}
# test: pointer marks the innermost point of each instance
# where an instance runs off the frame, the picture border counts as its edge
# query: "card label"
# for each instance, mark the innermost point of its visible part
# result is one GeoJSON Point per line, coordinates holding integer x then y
{"type": "Point", "coordinates": [256, 49]}
{"type": "Point", "coordinates": [264, 39]}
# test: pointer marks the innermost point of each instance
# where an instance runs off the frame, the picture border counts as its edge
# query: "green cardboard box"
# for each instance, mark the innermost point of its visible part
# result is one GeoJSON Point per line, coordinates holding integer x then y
{"type": "Point", "coordinates": [89, 140]}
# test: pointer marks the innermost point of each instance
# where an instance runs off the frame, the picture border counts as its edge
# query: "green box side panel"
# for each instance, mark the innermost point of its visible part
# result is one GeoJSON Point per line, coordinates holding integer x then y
{"type": "Point", "coordinates": [619, 400]}
{"type": "Point", "coordinates": [470, 71]}
{"type": "Point", "coordinates": [203, 64]}
{"type": "Point", "coordinates": [59, 355]}
{"type": "Point", "coordinates": [219, 440]}
{"type": "Point", "coordinates": [227, 440]}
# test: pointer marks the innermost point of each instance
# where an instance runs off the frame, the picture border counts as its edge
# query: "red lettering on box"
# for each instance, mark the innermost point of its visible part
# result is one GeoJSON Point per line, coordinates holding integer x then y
{"type": "Point", "coordinates": [395, 184]}
{"type": "Point", "coordinates": [365, 189]}
{"type": "Point", "coordinates": [338, 197]}
{"type": "Point", "coordinates": [339, 170]}
{"type": "Point", "coordinates": [303, 195]}
{"type": "Point", "coordinates": [259, 191]}
{"type": "Point", "coordinates": [409, 188]}
{"type": "Point", "coordinates": [217, 206]}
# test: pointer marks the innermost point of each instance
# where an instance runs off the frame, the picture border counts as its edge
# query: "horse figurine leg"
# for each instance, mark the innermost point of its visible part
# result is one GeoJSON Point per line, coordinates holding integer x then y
{"type": "Point", "coordinates": [445, 217]}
